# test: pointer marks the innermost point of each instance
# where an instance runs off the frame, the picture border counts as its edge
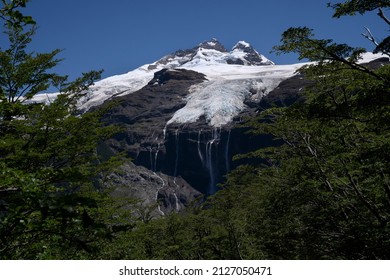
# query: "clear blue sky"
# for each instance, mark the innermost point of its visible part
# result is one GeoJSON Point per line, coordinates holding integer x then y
{"type": "Point", "coordinates": [121, 35]}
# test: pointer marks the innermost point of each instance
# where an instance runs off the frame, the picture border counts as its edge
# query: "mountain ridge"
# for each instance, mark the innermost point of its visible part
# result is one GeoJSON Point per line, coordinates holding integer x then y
{"type": "Point", "coordinates": [241, 54]}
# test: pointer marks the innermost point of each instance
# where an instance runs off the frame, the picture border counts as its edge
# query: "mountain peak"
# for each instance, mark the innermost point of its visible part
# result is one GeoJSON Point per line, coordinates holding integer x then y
{"type": "Point", "coordinates": [244, 46]}
{"type": "Point", "coordinates": [212, 44]}
{"type": "Point", "coordinates": [212, 52]}
{"type": "Point", "coordinates": [249, 56]}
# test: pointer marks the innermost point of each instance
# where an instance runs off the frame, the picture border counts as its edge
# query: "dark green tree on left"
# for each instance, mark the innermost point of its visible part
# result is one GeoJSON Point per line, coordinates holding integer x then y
{"type": "Point", "coordinates": [49, 164]}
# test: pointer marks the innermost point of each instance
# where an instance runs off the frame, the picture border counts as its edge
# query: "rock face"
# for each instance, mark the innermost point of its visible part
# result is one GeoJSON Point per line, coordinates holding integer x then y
{"type": "Point", "coordinates": [179, 162]}
{"type": "Point", "coordinates": [144, 114]}
{"type": "Point", "coordinates": [152, 194]}
{"type": "Point", "coordinates": [213, 44]}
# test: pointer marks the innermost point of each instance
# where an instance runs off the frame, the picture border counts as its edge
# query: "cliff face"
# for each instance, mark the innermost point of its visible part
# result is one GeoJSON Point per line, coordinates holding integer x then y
{"type": "Point", "coordinates": [151, 194]}
{"type": "Point", "coordinates": [202, 156]}
{"type": "Point", "coordinates": [182, 161]}
{"type": "Point", "coordinates": [143, 115]}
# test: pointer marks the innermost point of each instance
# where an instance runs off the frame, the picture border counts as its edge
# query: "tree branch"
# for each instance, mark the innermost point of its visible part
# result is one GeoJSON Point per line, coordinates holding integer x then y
{"type": "Point", "coordinates": [367, 202]}
{"type": "Point", "coordinates": [386, 184]}
{"type": "Point", "coordinates": [383, 16]}
{"type": "Point", "coordinates": [371, 38]}
{"type": "Point", "coordinates": [313, 152]}
{"type": "Point", "coordinates": [353, 65]}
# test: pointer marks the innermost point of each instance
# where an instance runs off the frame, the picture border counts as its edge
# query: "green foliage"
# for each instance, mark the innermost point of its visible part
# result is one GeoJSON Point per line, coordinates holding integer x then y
{"type": "Point", "coordinates": [301, 41]}
{"type": "Point", "coordinates": [49, 165]}
{"type": "Point", "coordinates": [383, 47]}
{"type": "Point", "coordinates": [325, 192]}
{"type": "Point", "coordinates": [12, 16]}
{"type": "Point", "coordinates": [328, 184]}
{"type": "Point", "coordinates": [351, 7]}
{"type": "Point", "coordinates": [196, 234]}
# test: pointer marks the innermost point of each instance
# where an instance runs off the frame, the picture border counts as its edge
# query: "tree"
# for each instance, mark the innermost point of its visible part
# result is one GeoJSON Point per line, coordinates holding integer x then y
{"type": "Point", "coordinates": [49, 164]}
{"type": "Point", "coordinates": [325, 192]}
{"type": "Point", "coordinates": [12, 16]}
{"type": "Point", "coordinates": [352, 7]}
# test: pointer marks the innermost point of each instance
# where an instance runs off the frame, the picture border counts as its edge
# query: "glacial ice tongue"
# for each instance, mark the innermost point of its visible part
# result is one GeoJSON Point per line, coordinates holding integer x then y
{"type": "Point", "coordinates": [219, 101]}
{"type": "Point", "coordinates": [223, 96]}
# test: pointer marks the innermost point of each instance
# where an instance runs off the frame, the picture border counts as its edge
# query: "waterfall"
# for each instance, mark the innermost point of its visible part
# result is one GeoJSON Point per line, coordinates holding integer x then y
{"type": "Point", "coordinates": [163, 185]}
{"type": "Point", "coordinates": [227, 152]}
{"type": "Point", "coordinates": [159, 143]}
{"type": "Point", "coordinates": [176, 165]}
{"type": "Point", "coordinates": [215, 137]}
{"type": "Point", "coordinates": [199, 151]}
{"type": "Point", "coordinates": [151, 158]}
{"type": "Point", "coordinates": [177, 152]}
{"type": "Point", "coordinates": [162, 180]}
{"type": "Point", "coordinates": [164, 133]}
{"type": "Point", "coordinates": [177, 201]}
{"type": "Point", "coordinates": [155, 157]}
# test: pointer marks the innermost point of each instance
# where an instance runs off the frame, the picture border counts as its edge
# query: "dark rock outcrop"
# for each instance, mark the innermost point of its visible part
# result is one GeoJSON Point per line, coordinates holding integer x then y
{"type": "Point", "coordinates": [288, 92]}
{"type": "Point", "coordinates": [213, 44]}
{"type": "Point", "coordinates": [144, 114]}
{"type": "Point", "coordinates": [151, 194]}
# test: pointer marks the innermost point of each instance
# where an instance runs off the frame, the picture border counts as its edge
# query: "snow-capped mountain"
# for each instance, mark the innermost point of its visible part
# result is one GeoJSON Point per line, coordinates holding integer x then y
{"type": "Point", "coordinates": [232, 76]}
{"type": "Point", "coordinates": [179, 117]}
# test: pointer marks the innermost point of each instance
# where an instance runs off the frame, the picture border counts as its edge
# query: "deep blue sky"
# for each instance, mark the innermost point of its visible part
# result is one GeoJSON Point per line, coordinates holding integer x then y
{"type": "Point", "coordinates": [121, 35]}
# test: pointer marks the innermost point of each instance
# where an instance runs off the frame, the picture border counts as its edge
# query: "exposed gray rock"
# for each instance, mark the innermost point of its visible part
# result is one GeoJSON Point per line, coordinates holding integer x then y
{"type": "Point", "coordinates": [151, 194]}
{"type": "Point", "coordinates": [213, 44]}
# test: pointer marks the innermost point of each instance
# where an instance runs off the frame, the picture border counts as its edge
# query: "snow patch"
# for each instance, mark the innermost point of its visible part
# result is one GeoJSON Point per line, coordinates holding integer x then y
{"type": "Point", "coordinates": [369, 56]}
{"type": "Point", "coordinates": [242, 43]}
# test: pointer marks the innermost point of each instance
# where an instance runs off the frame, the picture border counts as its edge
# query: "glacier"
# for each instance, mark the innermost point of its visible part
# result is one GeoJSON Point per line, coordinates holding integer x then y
{"type": "Point", "coordinates": [222, 96]}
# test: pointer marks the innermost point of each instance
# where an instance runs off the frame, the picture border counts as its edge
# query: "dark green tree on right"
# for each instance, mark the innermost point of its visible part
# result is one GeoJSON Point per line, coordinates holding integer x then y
{"type": "Point", "coordinates": [325, 192]}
